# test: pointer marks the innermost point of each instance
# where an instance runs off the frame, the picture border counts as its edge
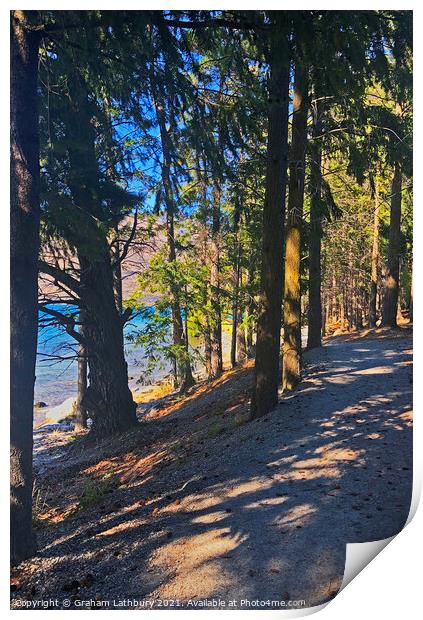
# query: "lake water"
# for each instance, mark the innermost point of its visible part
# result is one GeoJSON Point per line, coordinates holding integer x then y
{"type": "Point", "coordinates": [56, 380]}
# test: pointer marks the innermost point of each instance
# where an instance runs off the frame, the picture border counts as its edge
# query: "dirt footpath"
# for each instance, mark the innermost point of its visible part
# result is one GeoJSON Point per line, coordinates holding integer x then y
{"type": "Point", "coordinates": [248, 511]}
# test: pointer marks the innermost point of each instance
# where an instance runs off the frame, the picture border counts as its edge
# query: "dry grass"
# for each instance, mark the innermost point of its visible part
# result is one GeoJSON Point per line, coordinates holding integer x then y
{"type": "Point", "coordinates": [224, 394]}
{"type": "Point", "coordinates": [155, 392]}
{"type": "Point", "coordinates": [209, 410]}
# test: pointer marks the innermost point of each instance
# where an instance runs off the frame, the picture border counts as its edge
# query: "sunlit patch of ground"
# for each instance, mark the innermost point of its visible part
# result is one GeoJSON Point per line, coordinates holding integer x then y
{"type": "Point", "coordinates": [198, 502]}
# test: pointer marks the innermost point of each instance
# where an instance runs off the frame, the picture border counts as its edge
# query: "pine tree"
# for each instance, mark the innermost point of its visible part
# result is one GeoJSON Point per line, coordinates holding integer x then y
{"type": "Point", "coordinates": [25, 217]}
{"type": "Point", "coordinates": [375, 254]}
{"type": "Point", "coordinates": [292, 295]}
{"type": "Point", "coordinates": [266, 372]}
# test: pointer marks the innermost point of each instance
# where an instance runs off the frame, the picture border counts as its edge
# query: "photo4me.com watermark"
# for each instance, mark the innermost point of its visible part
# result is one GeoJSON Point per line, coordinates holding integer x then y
{"type": "Point", "coordinates": [133, 603]}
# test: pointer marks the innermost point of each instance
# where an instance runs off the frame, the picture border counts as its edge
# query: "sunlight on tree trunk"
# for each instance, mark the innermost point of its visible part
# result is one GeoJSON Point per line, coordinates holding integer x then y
{"type": "Point", "coordinates": [391, 284]}
{"type": "Point", "coordinates": [292, 299]}
{"type": "Point", "coordinates": [81, 411]}
{"type": "Point", "coordinates": [266, 372]}
{"type": "Point", "coordinates": [216, 319]}
{"type": "Point", "coordinates": [375, 256]}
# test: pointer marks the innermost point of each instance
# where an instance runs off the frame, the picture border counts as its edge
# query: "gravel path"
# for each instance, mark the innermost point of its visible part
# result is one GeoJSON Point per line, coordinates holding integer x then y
{"type": "Point", "coordinates": [258, 512]}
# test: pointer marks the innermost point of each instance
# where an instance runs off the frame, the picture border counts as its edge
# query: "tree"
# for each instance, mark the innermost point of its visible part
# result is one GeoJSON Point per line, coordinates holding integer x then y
{"type": "Point", "coordinates": [238, 342]}
{"type": "Point", "coordinates": [391, 279]}
{"type": "Point", "coordinates": [314, 333]}
{"type": "Point", "coordinates": [292, 296]}
{"type": "Point", "coordinates": [25, 218]}
{"type": "Point", "coordinates": [216, 324]}
{"type": "Point", "coordinates": [266, 371]}
{"type": "Point", "coordinates": [80, 409]}
{"type": "Point", "coordinates": [80, 205]}
{"type": "Point", "coordinates": [399, 85]}
{"type": "Point", "coordinates": [179, 337]}
{"type": "Point", "coordinates": [375, 254]}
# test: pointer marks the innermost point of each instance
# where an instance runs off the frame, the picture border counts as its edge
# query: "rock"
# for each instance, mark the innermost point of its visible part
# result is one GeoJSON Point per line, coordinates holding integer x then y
{"type": "Point", "coordinates": [47, 428]}
{"type": "Point", "coordinates": [60, 412]}
{"type": "Point", "coordinates": [40, 404]}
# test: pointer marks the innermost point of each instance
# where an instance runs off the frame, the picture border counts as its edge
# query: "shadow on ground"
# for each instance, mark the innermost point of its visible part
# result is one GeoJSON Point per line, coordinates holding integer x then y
{"type": "Point", "coordinates": [208, 509]}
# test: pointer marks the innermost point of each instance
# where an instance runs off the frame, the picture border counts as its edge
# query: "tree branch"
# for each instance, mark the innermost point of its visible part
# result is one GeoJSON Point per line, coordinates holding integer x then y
{"type": "Point", "coordinates": [219, 21]}
{"type": "Point", "coordinates": [67, 322]}
{"type": "Point", "coordinates": [128, 242]}
{"type": "Point", "coordinates": [59, 275]}
{"type": "Point", "coordinates": [126, 315]}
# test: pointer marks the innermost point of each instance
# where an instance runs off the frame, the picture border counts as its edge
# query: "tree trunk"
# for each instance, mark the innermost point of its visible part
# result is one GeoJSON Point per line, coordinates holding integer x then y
{"type": "Point", "coordinates": [235, 316]}
{"type": "Point", "coordinates": [108, 399]}
{"type": "Point", "coordinates": [375, 257]}
{"type": "Point", "coordinates": [411, 295]}
{"type": "Point", "coordinates": [324, 317]}
{"type": "Point", "coordinates": [334, 299]}
{"type": "Point", "coordinates": [179, 338]}
{"type": "Point", "coordinates": [205, 323]}
{"type": "Point", "coordinates": [266, 373]}
{"type": "Point", "coordinates": [250, 308]}
{"type": "Point", "coordinates": [117, 272]}
{"type": "Point", "coordinates": [112, 176]}
{"type": "Point", "coordinates": [314, 336]}
{"type": "Point", "coordinates": [236, 306]}
{"type": "Point", "coordinates": [241, 343]}
{"type": "Point", "coordinates": [81, 412]}
{"type": "Point", "coordinates": [216, 319]}
{"type": "Point", "coordinates": [391, 284]}
{"type": "Point", "coordinates": [24, 246]}
{"type": "Point", "coordinates": [359, 320]}
{"type": "Point", "coordinates": [292, 300]}
{"type": "Point", "coordinates": [207, 347]}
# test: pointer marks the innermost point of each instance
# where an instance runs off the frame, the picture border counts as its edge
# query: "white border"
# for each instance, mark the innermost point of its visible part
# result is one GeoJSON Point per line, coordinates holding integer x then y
{"type": "Point", "coordinates": [389, 586]}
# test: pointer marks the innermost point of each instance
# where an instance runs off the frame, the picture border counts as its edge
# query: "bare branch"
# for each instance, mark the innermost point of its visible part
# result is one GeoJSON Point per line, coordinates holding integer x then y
{"type": "Point", "coordinates": [128, 242]}
{"type": "Point", "coordinates": [67, 322]}
{"type": "Point", "coordinates": [59, 276]}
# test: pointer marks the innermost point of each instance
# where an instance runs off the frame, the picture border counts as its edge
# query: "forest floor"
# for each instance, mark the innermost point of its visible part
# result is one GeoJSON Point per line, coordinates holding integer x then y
{"type": "Point", "coordinates": [200, 503]}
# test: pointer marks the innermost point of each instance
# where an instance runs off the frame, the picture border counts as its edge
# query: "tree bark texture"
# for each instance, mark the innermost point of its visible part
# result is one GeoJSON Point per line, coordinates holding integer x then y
{"type": "Point", "coordinates": [81, 411]}
{"type": "Point", "coordinates": [24, 248]}
{"type": "Point", "coordinates": [314, 337]}
{"type": "Point", "coordinates": [375, 257]}
{"type": "Point", "coordinates": [266, 372]}
{"type": "Point", "coordinates": [108, 399]}
{"type": "Point", "coordinates": [292, 299]}
{"type": "Point", "coordinates": [391, 284]}
{"type": "Point", "coordinates": [216, 318]}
